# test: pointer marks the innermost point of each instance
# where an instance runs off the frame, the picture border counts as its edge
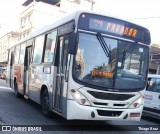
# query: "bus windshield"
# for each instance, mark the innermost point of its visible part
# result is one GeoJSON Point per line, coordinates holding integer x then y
{"type": "Point", "coordinates": [124, 67]}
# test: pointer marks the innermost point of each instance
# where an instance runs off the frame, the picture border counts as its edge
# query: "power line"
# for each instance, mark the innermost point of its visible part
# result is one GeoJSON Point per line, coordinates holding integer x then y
{"type": "Point", "coordinates": [143, 18]}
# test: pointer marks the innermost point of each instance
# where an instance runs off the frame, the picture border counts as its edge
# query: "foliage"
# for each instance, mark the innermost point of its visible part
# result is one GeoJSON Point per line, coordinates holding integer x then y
{"type": "Point", "coordinates": [156, 45]}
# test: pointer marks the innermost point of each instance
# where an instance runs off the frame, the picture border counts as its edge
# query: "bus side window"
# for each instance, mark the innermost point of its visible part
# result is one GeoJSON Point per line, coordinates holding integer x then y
{"type": "Point", "coordinates": [157, 86]}
{"type": "Point", "coordinates": [38, 49]}
{"type": "Point", "coordinates": [22, 52]}
{"type": "Point", "coordinates": [151, 84]}
{"type": "Point", "coordinates": [50, 47]}
{"type": "Point", "coordinates": [17, 54]}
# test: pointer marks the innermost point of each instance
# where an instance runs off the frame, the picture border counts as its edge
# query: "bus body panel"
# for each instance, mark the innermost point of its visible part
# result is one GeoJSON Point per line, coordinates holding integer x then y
{"type": "Point", "coordinates": [37, 79]}
{"type": "Point", "coordinates": [76, 111]}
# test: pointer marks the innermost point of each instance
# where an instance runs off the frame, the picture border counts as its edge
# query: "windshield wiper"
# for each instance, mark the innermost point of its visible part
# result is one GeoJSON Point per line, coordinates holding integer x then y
{"type": "Point", "coordinates": [131, 50]}
{"type": "Point", "coordinates": [104, 45]}
{"type": "Point", "coordinates": [127, 52]}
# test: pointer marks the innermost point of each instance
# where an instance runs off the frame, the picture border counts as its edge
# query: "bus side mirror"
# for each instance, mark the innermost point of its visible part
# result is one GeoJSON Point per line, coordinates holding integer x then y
{"type": "Point", "coordinates": [73, 40]}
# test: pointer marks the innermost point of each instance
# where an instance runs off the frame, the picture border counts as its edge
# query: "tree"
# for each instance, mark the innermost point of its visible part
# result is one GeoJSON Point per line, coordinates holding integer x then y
{"type": "Point", "coordinates": [156, 45]}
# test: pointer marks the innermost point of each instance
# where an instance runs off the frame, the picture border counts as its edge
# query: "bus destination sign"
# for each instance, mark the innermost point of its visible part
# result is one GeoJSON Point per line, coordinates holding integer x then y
{"type": "Point", "coordinates": [112, 27]}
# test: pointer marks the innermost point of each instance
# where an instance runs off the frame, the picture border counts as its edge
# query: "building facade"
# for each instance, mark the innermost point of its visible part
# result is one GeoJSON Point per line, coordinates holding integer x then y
{"type": "Point", "coordinates": [37, 15]}
{"type": "Point", "coordinates": [7, 41]}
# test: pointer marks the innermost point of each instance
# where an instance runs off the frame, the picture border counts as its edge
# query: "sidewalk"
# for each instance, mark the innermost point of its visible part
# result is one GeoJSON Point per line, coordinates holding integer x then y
{"type": "Point", "coordinates": [3, 83]}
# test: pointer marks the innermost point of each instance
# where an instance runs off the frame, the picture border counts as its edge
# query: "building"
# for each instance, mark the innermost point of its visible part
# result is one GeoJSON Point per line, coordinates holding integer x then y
{"type": "Point", "coordinates": [70, 6]}
{"type": "Point", "coordinates": [38, 14]}
{"type": "Point", "coordinates": [6, 41]}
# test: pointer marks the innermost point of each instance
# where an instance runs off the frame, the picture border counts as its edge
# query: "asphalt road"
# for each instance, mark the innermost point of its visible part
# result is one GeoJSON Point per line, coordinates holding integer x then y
{"type": "Point", "coordinates": [19, 111]}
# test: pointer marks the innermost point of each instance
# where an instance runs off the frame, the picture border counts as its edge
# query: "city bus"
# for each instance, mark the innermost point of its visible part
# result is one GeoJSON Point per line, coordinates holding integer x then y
{"type": "Point", "coordinates": [87, 66]}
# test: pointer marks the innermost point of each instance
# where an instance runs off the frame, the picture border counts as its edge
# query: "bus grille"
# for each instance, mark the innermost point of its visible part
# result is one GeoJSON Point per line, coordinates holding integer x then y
{"type": "Point", "coordinates": [109, 113]}
{"type": "Point", "coordinates": [110, 96]}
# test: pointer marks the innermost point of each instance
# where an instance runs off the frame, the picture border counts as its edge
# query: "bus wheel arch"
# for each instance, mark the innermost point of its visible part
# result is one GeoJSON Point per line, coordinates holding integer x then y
{"type": "Point", "coordinates": [44, 96]}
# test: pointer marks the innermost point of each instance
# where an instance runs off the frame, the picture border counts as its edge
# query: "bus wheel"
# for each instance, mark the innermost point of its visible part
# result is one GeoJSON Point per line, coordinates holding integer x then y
{"type": "Point", "coordinates": [16, 90]}
{"type": "Point", "coordinates": [45, 103]}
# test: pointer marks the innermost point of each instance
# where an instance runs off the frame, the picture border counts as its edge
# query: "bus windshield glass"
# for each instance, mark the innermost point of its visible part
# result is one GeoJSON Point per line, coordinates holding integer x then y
{"type": "Point", "coordinates": [110, 63]}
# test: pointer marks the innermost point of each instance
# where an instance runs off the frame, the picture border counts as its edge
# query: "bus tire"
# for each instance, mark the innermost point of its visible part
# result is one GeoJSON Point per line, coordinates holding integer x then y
{"type": "Point", "coordinates": [18, 95]}
{"type": "Point", "coordinates": [45, 104]}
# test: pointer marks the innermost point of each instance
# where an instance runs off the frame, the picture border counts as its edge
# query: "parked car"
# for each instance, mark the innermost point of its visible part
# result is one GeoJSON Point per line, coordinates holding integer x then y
{"type": "Point", "coordinates": [1, 71]}
{"type": "Point", "coordinates": [152, 97]}
{"type": "Point", "coordinates": [3, 75]}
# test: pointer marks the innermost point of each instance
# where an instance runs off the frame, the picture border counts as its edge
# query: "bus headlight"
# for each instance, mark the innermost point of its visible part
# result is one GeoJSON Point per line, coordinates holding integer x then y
{"type": "Point", "coordinates": [79, 97]}
{"type": "Point", "coordinates": [137, 103]}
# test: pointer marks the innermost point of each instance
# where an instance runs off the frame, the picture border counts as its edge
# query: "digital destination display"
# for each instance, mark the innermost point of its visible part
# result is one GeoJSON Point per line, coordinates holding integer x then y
{"type": "Point", "coordinates": [112, 27]}
{"type": "Point", "coordinates": [102, 73]}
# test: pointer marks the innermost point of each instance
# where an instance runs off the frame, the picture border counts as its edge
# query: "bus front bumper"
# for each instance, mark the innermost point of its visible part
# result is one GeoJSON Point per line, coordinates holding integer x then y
{"type": "Point", "coordinates": [81, 112]}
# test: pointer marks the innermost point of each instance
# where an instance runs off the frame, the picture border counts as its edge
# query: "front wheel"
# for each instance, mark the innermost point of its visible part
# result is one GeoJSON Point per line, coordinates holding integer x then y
{"type": "Point", "coordinates": [45, 103]}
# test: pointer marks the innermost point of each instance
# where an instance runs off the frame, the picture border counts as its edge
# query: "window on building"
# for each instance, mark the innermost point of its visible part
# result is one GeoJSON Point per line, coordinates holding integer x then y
{"type": "Point", "coordinates": [28, 33]}
{"type": "Point", "coordinates": [24, 21]}
{"type": "Point", "coordinates": [50, 47]}
{"type": "Point", "coordinates": [3, 55]}
{"type": "Point", "coordinates": [38, 49]}
{"type": "Point", "coordinates": [77, 1]}
{"type": "Point", "coordinates": [20, 37]}
{"type": "Point", "coordinates": [29, 17]}
{"type": "Point", "coordinates": [21, 23]}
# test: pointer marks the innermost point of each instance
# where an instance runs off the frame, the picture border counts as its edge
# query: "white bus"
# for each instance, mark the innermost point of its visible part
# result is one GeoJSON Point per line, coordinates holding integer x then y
{"type": "Point", "coordinates": [87, 66]}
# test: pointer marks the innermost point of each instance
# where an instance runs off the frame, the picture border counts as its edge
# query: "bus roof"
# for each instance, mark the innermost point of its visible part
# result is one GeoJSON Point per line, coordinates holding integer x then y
{"type": "Point", "coordinates": [74, 16]}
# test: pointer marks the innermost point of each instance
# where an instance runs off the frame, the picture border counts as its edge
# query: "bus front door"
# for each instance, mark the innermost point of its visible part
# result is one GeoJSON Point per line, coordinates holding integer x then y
{"type": "Point", "coordinates": [59, 99]}
{"type": "Point", "coordinates": [27, 61]}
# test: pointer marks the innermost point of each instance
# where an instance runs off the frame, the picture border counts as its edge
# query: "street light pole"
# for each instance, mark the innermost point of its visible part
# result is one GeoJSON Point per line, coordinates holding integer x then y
{"type": "Point", "coordinates": [92, 2]}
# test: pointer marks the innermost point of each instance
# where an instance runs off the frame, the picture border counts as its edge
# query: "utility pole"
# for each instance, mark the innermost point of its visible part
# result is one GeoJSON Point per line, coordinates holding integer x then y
{"type": "Point", "coordinates": [92, 2]}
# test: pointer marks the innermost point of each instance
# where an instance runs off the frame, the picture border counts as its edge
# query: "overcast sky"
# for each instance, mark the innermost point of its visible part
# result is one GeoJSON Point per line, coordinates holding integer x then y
{"type": "Point", "coordinates": [143, 12]}
{"type": "Point", "coordinates": [9, 15]}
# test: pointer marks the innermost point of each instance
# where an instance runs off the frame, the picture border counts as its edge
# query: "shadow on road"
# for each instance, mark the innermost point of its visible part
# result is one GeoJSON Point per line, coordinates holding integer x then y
{"type": "Point", "coordinates": [75, 125]}
{"type": "Point", "coordinates": [151, 119]}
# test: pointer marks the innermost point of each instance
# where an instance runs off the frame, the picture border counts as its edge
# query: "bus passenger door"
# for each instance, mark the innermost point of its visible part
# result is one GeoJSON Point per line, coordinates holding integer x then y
{"type": "Point", "coordinates": [12, 70]}
{"type": "Point", "coordinates": [61, 84]}
{"type": "Point", "coordinates": [27, 61]}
